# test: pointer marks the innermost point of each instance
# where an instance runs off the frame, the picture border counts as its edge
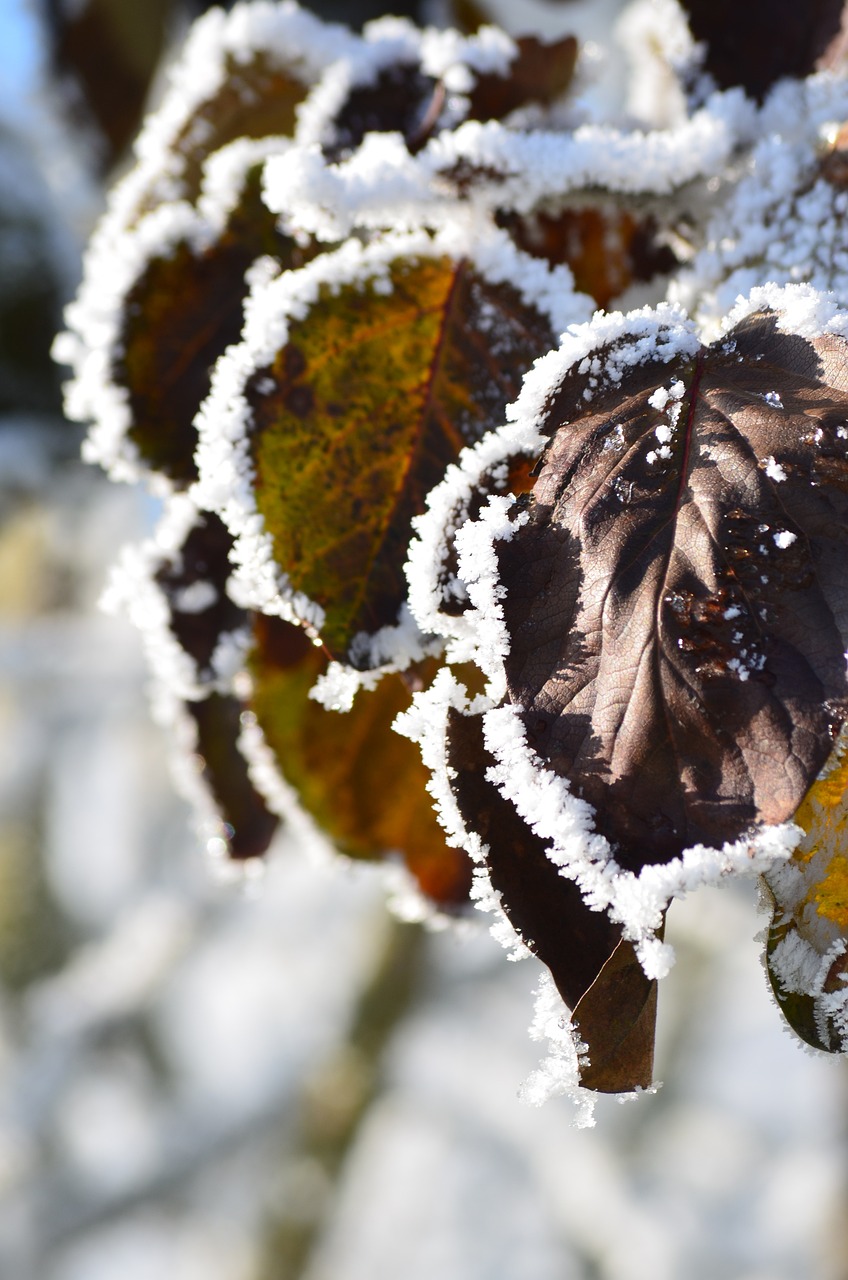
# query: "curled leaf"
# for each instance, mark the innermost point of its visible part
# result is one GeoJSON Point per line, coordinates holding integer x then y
{"type": "Point", "coordinates": [180, 315]}
{"type": "Point", "coordinates": [807, 947]}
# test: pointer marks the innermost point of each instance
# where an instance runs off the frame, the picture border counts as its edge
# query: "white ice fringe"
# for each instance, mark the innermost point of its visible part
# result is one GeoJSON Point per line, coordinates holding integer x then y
{"type": "Point", "coordinates": [226, 475]}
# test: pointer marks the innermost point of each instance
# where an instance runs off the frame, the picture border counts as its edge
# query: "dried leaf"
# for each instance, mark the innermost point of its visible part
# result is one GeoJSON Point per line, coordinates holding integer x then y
{"type": "Point", "coordinates": [676, 601]}
{"type": "Point", "coordinates": [541, 72]}
{"type": "Point", "coordinates": [374, 394]}
{"type": "Point", "coordinates": [180, 316]}
{"type": "Point", "coordinates": [606, 248]}
{"type": "Point", "coordinates": [616, 1019]}
{"type": "Point", "coordinates": [597, 974]}
{"type": "Point", "coordinates": [363, 784]}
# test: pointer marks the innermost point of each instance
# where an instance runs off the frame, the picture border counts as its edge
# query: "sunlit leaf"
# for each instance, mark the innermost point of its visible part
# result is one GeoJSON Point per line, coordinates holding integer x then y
{"type": "Point", "coordinates": [808, 938]}
{"type": "Point", "coordinates": [676, 601]}
{"type": "Point", "coordinates": [617, 1018]}
{"type": "Point", "coordinates": [373, 395]}
{"type": "Point", "coordinates": [363, 784]}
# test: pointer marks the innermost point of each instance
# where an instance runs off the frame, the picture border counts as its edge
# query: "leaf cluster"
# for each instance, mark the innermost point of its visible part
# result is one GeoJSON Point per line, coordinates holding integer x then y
{"type": "Point", "coordinates": [544, 600]}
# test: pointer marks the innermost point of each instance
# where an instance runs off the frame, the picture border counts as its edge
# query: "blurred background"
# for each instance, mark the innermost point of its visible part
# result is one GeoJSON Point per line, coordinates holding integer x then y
{"type": "Point", "coordinates": [204, 1080]}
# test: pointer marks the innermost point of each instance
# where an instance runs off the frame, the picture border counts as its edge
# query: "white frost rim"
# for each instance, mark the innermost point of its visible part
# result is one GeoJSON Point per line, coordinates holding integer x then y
{"type": "Point", "coordinates": [276, 301]}
{"type": "Point", "coordinates": [115, 261]}
{"type": "Point", "coordinates": [542, 798]}
{"type": "Point", "coordinates": [382, 185]}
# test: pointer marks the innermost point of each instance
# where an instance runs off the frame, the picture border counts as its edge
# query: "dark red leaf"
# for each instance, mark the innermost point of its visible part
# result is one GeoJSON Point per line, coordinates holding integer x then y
{"type": "Point", "coordinates": [607, 248]}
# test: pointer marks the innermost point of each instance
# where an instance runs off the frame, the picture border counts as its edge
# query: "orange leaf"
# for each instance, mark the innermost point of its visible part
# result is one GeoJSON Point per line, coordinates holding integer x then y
{"type": "Point", "coordinates": [364, 785]}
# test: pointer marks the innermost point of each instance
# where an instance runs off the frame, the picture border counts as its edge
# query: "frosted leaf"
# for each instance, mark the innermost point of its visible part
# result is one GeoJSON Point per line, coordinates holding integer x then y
{"type": "Point", "coordinates": [277, 394]}
{"type": "Point", "coordinates": [517, 638]}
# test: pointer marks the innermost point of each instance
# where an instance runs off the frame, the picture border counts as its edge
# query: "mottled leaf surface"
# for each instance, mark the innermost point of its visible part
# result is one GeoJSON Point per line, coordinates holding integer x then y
{"type": "Point", "coordinates": [596, 973]}
{"type": "Point", "coordinates": [180, 316]}
{"type": "Point", "coordinates": [373, 395]}
{"type": "Point", "coordinates": [364, 785]}
{"type": "Point", "coordinates": [678, 623]}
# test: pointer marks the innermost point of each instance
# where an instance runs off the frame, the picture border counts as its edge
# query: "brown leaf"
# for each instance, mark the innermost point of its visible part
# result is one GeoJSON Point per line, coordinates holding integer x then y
{"type": "Point", "coordinates": [202, 561]}
{"type": "Point", "coordinates": [257, 98]}
{"type": "Point", "coordinates": [616, 1019]}
{"type": "Point", "coordinates": [541, 72]}
{"type": "Point", "coordinates": [180, 316]}
{"type": "Point", "coordinates": [249, 825]}
{"type": "Point", "coordinates": [678, 623]}
{"type": "Point", "coordinates": [371, 398]}
{"type": "Point", "coordinates": [544, 908]}
{"type": "Point", "coordinates": [606, 248]}
{"type": "Point", "coordinates": [596, 973]}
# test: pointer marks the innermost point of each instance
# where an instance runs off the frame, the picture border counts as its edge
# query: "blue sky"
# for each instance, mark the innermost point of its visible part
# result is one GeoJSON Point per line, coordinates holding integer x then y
{"type": "Point", "coordinates": [18, 53]}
